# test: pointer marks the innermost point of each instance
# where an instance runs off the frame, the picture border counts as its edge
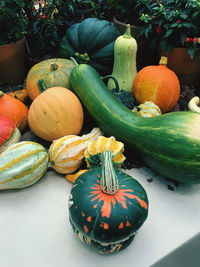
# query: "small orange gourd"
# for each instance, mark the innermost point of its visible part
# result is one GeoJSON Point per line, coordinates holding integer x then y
{"type": "Point", "coordinates": [157, 84]}
{"type": "Point", "coordinates": [55, 113]}
{"type": "Point", "coordinates": [20, 95]}
{"type": "Point", "coordinates": [14, 109]}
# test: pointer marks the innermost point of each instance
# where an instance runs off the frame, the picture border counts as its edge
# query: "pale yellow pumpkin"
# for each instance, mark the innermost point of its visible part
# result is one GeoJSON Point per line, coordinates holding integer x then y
{"type": "Point", "coordinates": [55, 113]}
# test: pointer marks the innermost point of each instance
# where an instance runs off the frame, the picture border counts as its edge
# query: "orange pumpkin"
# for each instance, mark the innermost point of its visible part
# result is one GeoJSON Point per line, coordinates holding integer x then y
{"type": "Point", "coordinates": [14, 109]}
{"type": "Point", "coordinates": [55, 113]}
{"type": "Point", "coordinates": [157, 84]}
{"type": "Point", "coordinates": [49, 73]}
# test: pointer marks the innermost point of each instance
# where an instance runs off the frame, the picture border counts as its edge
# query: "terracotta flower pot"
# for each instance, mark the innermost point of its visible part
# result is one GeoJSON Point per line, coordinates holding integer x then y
{"type": "Point", "coordinates": [180, 62]}
{"type": "Point", "coordinates": [144, 56]}
{"type": "Point", "coordinates": [12, 63]}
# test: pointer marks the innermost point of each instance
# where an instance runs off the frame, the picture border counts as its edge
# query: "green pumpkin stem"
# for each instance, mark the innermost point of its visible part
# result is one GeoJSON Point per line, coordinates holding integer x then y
{"type": "Point", "coordinates": [41, 86]}
{"type": "Point", "coordinates": [53, 66]}
{"type": "Point", "coordinates": [109, 181]}
{"type": "Point", "coordinates": [114, 79]}
{"type": "Point", "coordinates": [127, 33]}
{"type": "Point", "coordinates": [1, 93]}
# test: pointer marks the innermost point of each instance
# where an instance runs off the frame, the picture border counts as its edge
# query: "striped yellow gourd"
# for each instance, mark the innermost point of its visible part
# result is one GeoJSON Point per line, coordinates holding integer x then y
{"type": "Point", "coordinates": [66, 153]}
{"type": "Point", "coordinates": [147, 109]}
{"type": "Point", "coordinates": [96, 148]}
{"type": "Point", "coordinates": [22, 164]}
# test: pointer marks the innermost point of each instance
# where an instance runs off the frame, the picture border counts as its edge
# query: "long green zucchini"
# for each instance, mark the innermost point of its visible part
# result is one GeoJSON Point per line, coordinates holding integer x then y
{"type": "Point", "coordinates": [170, 144]}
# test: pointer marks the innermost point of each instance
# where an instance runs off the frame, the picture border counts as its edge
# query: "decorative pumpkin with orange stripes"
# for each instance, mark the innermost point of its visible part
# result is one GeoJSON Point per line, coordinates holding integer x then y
{"type": "Point", "coordinates": [66, 153]}
{"type": "Point", "coordinates": [107, 206]}
{"type": "Point", "coordinates": [49, 73]}
{"type": "Point", "coordinates": [22, 164]}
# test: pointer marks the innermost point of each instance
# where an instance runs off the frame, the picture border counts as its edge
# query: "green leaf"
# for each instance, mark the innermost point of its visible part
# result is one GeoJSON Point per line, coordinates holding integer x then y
{"type": "Point", "coordinates": [168, 33]}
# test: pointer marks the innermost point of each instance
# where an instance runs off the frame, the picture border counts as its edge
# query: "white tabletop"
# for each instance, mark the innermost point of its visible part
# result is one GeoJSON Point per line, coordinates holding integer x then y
{"type": "Point", "coordinates": [35, 231]}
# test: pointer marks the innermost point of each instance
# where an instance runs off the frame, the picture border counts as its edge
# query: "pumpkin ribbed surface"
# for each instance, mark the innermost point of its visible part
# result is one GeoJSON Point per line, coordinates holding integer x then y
{"type": "Point", "coordinates": [91, 41]}
{"type": "Point", "coordinates": [22, 164]}
{"type": "Point", "coordinates": [66, 153]}
{"type": "Point", "coordinates": [53, 72]}
{"type": "Point", "coordinates": [55, 113]}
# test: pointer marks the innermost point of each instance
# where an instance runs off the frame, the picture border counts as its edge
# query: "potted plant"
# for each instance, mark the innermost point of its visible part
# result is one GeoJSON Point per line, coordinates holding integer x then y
{"type": "Point", "coordinates": [14, 23]}
{"type": "Point", "coordinates": [42, 37]}
{"type": "Point", "coordinates": [173, 27]}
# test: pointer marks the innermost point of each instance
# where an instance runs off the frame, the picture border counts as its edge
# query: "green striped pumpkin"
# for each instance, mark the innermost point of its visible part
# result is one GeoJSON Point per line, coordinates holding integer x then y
{"type": "Point", "coordinates": [22, 165]}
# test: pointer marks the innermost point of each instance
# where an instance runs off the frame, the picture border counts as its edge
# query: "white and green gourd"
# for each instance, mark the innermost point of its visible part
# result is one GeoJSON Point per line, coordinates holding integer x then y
{"type": "Point", "coordinates": [147, 109]}
{"type": "Point", "coordinates": [66, 153]}
{"type": "Point", "coordinates": [22, 164]}
{"type": "Point", "coordinates": [124, 69]}
{"type": "Point", "coordinates": [194, 104]}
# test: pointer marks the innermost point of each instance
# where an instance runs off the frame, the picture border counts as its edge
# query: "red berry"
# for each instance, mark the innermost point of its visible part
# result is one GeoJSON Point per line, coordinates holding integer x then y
{"type": "Point", "coordinates": [195, 40]}
{"type": "Point", "coordinates": [158, 29]}
{"type": "Point", "coordinates": [179, 21]}
{"type": "Point", "coordinates": [187, 39]}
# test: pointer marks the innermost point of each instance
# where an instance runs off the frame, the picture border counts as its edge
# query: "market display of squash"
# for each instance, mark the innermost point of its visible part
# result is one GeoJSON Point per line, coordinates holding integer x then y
{"type": "Point", "coordinates": [147, 109]}
{"type": "Point", "coordinates": [91, 41]}
{"type": "Point", "coordinates": [169, 144]}
{"type": "Point", "coordinates": [66, 154]}
{"type": "Point", "coordinates": [52, 72]}
{"type": "Point", "coordinates": [158, 84]}
{"type": "Point", "coordinates": [9, 133]}
{"type": "Point", "coordinates": [55, 113]}
{"type": "Point", "coordinates": [124, 69]}
{"type": "Point", "coordinates": [107, 206]}
{"type": "Point", "coordinates": [14, 109]}
{"type": "Point", "coordinates": [22, 164]}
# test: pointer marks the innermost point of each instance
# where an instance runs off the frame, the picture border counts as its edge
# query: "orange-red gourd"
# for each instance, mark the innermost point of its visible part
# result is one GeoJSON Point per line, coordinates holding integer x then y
{"type": "Point", "coordinates": [14, 109]}
{"type": "Point", "coordinates": [55, 113]}
{"type": "Point", "coordinates": [9, 134]}
{"type": "Point", "coordinates": [157, 84]}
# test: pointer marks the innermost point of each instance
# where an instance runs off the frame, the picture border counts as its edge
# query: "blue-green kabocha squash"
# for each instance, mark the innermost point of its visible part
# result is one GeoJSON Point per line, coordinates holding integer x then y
{"type": "Point", "coordinates": [91, 41]}
{"type": "Point", "coordinates": [107, 206]}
